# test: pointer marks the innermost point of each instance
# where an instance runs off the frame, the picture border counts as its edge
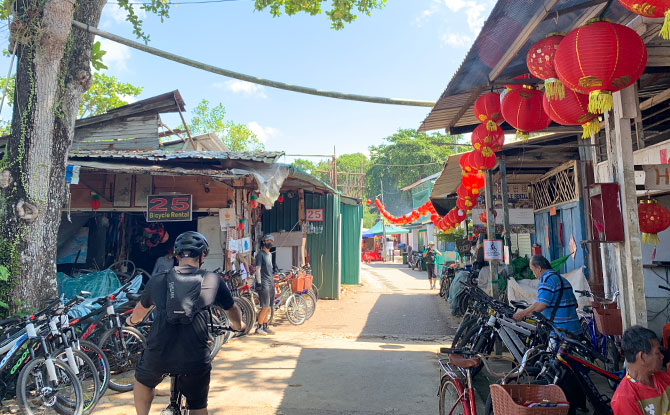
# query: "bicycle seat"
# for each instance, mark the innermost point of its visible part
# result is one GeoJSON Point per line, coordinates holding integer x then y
{"type": "Point", "coordinates": [519, 304]}
{"type": "Point", "coordinates": [133, 296]}
{"type": "Point", "coordinates": [463, 362]}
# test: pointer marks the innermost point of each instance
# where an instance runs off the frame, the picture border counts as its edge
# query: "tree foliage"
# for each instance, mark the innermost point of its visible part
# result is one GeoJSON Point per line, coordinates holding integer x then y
{"type": "Point", "coordinates": [407, 156]}
{"type": "Point", "coordinates": [106, 93]}
{"type": "Point", "coordinates": [237, 137]}
{"type": "Point", "coordinates": [305, 165]}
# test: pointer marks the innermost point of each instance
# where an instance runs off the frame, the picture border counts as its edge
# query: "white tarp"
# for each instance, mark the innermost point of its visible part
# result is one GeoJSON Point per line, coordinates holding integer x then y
{"type": "Point", "coordinates": [526, 290]}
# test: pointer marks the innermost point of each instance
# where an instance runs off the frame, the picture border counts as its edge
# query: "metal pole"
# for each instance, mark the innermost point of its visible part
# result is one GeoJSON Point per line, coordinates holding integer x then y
{"type": "Point", "coordinates": [381, 184]}
{"type": "Point", "coordinates": [491, 229]}
{"type": "Point", "coordinates": [505, 206]}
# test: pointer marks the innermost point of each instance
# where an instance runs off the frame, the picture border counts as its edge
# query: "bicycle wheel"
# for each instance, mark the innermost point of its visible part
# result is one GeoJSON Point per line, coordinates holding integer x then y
{"type": "Point", "coordinates": [315, 291]}
{"type": "Point", "coordinates": [469, 337]}
{"type": "Point", "coordinates": [215, 342]}
{"type": "Point", "coordinates": [36, 394]}
{"type": "Point", "coordinates": [451, 401]}
{"type": "Point", "coordinates": [444, 286]}
{"type": "Point", "coordinates": [311, 304]}
{"type": "Point", "coordinates": [223, 318]}
{"type": "Point", "coordinates": [88, 377]}
{"type": "Point", "coordinates": [123, 347]}
{"type": "Point", "coordinates": [296, 309]}
{"type": "Point", "coordinates": [248, 312]}
{"type": "Point", "coordinates": [463, 328]}
{"type": "Point", "coordinates": [100, 361]}
{"type": "Point", "coordinates": [612, 364]}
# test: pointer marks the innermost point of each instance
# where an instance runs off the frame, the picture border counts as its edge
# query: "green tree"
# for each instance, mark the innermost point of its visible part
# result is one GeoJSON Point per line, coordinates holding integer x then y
{"type": "Point", "coordinates": [370, 215]}
{"type": "Point", "coordinates": [106, 93]}
{"type": "Point", "coordinates": [405, 157]}
{"type": "Point", "coordinates": [53, 72]}
{"type": "Point", "coordinates": [237, 137]}
{"type": "Point", "coordinates": [305, 165]}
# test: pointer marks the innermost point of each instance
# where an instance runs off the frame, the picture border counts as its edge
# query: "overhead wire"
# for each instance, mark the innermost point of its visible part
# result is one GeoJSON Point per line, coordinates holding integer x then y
{"type": "Point", "coordinates": [249, 78]}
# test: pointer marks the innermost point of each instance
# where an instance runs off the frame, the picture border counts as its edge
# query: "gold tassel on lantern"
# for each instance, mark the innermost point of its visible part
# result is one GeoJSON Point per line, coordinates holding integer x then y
{"type": "Point", "coordinates": [554, 89]}
{"type": "Point", "coordinates": [491, 125]}
{"type": "Point", "coordinates": [600, 101]}
{"type": "Point", "coordinates": [650, 239]}
{"type": "Point", "coordinates": [590, 128]}
{"type": "Point", "coordinates": [665, 30]}
{"type": "Point", "coordinates": [524, 136]}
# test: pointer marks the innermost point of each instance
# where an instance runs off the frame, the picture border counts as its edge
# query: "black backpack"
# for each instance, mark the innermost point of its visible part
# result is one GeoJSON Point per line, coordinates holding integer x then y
{"type": "Point", "coordinates": [183, 296]}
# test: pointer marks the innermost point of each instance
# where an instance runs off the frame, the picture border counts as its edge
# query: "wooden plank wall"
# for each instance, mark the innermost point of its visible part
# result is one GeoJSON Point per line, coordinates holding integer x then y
{"type": "Point", "coordinates": [139, 132]}
{"type": "Point", "coordinates": [103, 184]}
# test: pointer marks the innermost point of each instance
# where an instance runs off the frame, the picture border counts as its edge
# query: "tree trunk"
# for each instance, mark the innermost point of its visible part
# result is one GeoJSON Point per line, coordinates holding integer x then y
{"type": "Point", "coordinates": [52, 75]}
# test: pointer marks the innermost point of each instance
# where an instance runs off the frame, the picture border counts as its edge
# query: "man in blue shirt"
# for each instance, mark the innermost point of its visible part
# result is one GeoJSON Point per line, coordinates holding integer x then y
{"type": "Point", "coordinates": [555, 298]}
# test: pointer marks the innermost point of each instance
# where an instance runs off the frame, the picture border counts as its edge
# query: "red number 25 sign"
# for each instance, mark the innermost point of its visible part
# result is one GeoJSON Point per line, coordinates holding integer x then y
{"type": "Point", "coordinates": [169, 208]}
{"type": "Point", "coordinates": [314, 215]}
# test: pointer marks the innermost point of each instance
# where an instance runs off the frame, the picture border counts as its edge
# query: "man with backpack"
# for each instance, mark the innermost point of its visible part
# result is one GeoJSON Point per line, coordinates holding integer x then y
{"type": "Point", "coordinates": [178, 342]}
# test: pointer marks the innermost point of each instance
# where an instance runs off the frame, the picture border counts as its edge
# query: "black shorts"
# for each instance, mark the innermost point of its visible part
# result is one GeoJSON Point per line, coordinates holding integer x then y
{"type": "Point", "coordinates": [266, 295]}
{"type": "Point", "coordinates": [195, 387]}
{"type": "Point", "coordinates": [431, 271]}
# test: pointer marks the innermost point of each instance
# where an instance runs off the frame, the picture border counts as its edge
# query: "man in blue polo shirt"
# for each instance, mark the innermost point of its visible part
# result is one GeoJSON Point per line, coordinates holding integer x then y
{"type": "Point", "coordinates": [555, 298]}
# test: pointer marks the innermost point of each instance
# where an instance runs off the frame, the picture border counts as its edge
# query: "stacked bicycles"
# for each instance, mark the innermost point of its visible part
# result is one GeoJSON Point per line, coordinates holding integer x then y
{"type": "Point", "coordinates": [542, 353]}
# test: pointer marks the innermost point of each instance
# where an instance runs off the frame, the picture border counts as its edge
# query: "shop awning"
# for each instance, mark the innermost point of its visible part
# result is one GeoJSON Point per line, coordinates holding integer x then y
{"type": "Point", "coordinates": [378, 229]}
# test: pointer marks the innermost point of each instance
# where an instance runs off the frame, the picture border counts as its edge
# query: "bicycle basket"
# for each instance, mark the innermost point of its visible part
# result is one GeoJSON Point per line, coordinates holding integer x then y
{"type": "Point", "coordinates": [608, 321]}
{"type": "Point", "coordinates": [309, 279]}
{"type": "Point", "coordinates": [298, 284]}
{"type": "Point", "coordinates": [509, 399]}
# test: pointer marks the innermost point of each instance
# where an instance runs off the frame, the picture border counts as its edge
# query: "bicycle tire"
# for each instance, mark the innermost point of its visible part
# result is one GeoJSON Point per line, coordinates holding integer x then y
{"type": "Point", "coordinates": [248, 312]}
{"type": "Point", "coordinates": [462, 328]}
{"type": "Point", "coordinates": [223, 317]}
{"type": "Point", "coordinates": [468, 338]}
{"type": "Point", "coordinates": [88, 377]}
{"type": "Point", "coordinates": [612, 364]}
{"type": "Point", "coordinates": [448, 395]}
{"type": "Point", "coordinates": [296, 309]}
{"type": "Point", "coordinates": [311, 308]}
{"type": "Point", "coordinates": [215, 341]}
{"type": "Point", "coordinates": [100, 360]}
{"type": "Point", "coordinates": [315, 291]}
{"type": "Point", "coordinates": [121, 362]}
{"type": "Point", "coordinates": [24, 393]}
{"type": "Point", "coordinates": [444, 287]}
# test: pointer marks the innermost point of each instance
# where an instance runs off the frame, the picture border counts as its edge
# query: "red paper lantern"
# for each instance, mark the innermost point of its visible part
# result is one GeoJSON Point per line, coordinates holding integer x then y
{"type": "Point", "coordinates": [600, 58]}
{"type": "Point", "coordinates": [572, 110]}
{"type": "Point", "coordinates": [460, 215]}
{"type": "Point", "coordinates": [651, 8]}
{"type": "Point", "coordinates": [522, 109]}
{"type": "Point", "coordinates": [240, 226]}
{"type": "Point", "coordinates": [483, 217]}
{"type": "Point", "coordinates": [540, 61]}
{"type": "Point", "coordinates": [516, 86]}
{"type": "Point", "coordinates": [464, 162]}
{"type": "Point", "coordinates": [468, 198]}
{"type": "Point", "coordinates": [280, 199]}
{"type": "Point", "coordinates": [461, 204]}
{"type": "Point", "coordinates": [487, 110]}
{"type": "Point", "coordinates": [487, 141]}
{"type": "Point", "coordinates": [473, 182]}
{"type": "Point", "coordinates": [95, 201]}
{"type": "Point", "coordinates": [369, 202]}
{"type": "Point", "coordinates": [654, 218]}
{"type": "Point", "coordinates": [254, 204]}
{"type": "Point", "coordinates": [481, 162]}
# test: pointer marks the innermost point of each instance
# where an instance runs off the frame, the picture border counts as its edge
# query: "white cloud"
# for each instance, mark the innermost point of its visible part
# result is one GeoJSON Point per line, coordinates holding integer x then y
{"type": "Point", "coordinates": [474, 12]}
{"type": "Point", "coordinates": [117, 54]}
{"type": "Point", "coordinates": [242, 87]}
{"type": "Point", "coordinates": [263, 133]}
{"type": "Point", "coordinates": [457, 40]}
{"type": "Point", "coordinates": [127, 98]}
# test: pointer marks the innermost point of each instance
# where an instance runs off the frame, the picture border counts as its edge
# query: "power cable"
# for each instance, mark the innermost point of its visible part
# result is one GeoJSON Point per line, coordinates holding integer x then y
{"type": "Point", "coordinates": [177, 3]}
{"type": "Point", "coordinates": [249, 78]}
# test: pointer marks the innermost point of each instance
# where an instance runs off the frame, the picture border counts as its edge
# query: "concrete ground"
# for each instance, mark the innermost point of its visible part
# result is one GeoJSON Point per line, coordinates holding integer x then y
{"type": "Point", "coordinates": [373, 352]}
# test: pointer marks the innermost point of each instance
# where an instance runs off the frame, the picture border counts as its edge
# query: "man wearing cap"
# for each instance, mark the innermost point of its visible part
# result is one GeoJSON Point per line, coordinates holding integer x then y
{"type": "Point", "coordinates": [429, 257]}
{"type": "Point", "coordinates": [265, 285]}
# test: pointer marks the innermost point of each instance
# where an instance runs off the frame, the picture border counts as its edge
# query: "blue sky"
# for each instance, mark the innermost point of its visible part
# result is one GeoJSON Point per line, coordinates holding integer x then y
{"type": "Point", "coordinates": [409, 49]}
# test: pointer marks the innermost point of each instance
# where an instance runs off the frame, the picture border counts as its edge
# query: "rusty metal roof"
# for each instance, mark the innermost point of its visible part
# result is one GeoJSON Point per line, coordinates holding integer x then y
{"type": "Point", "coordinates": [160, 155]}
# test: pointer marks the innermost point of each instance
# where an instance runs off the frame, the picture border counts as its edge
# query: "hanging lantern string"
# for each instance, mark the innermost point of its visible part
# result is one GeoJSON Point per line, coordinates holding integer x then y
{"type": "Point", "coordinates": [423, 210]}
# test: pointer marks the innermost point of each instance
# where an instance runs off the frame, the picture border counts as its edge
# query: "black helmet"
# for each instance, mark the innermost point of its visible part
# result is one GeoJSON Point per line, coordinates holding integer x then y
{"type": "Point", "coordinates": [192, 242]}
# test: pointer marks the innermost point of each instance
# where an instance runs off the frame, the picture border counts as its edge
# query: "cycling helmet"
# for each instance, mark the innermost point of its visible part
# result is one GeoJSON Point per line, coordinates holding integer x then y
{"type": "Point", "coordinates": [192, 242]}
{"type": "Point", "coordinates": [269, 238]}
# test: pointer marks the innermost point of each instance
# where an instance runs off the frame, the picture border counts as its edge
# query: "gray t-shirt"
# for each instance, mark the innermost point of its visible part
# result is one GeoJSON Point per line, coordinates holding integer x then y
{"type": "Point", "coordinates": [264, 263]}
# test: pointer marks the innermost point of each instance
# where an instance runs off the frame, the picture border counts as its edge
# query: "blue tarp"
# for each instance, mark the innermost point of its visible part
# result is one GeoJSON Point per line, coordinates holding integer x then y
{"type": "Point", "coordinates": [99, 284]}
{"type": "Point", "coordinates": [378, 230]}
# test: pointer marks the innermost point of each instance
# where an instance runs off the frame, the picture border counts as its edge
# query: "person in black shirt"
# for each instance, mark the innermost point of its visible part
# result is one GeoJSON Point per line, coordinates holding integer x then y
{"type": "Point", "coordinates": [429, 257]}
{"type": "Point", "coordinates": [180, 349]}
{"type": "Point", "coordinates": [265, 285]}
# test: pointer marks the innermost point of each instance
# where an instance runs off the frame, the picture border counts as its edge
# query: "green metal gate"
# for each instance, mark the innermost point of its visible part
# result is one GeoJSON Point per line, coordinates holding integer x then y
{"type": "Point", "coordinates": [352, 216]}
{"type": "Point", "coordinates": [324, 247]}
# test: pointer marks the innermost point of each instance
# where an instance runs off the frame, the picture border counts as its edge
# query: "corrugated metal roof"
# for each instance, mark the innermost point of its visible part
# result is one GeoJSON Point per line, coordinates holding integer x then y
{"type": "Point", "coordinates": [160, 155]}
{"type": "Point", "coordinates": [500, 31]}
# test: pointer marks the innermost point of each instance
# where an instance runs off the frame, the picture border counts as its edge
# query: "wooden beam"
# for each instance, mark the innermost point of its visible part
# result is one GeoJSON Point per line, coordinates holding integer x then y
{"type": "Point", "coordinates": [521, 40]}
{"type": "Point", "coordinates": [655, 100]}
{"type": "Point", "coordinates": [628, 254]}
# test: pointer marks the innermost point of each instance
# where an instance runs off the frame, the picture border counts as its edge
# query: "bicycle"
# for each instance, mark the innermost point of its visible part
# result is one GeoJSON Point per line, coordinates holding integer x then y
{"type": "Point", "coordinates": [448, 274]}
{"type": "Point", "coordinates": [294, 305]}
{"type": "Point", "coordinates": [44, 384]}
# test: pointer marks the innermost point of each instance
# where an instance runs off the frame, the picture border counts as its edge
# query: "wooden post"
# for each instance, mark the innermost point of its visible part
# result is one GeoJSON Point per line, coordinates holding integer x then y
{"type": "Point", "coordinates": [505, 207]}
{"type": "Point", "coordinates": [491, 229]}
{"type": "Point", "coordinates": [621, 165]}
